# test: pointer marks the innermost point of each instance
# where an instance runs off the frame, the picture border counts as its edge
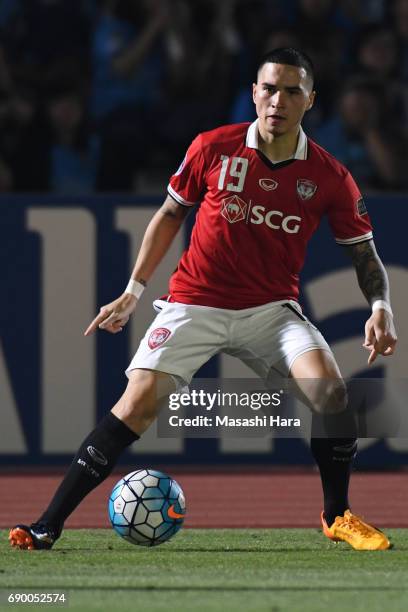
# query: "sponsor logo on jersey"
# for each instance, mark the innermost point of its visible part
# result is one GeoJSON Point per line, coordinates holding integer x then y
{"type": "Point", "coordinates": [275, 219]}
{"type": "Point", "coordinates": [234, 209]}
{"type": "Point", "coordinates": [268, 184]}
{"type": "Point", "coordinates": [97, 455]}
{"type": "Point", "coordinates": [306, 189]}
{"type": "Point", "coordinates": [361, 207]}
{"type": "Point", "coordinates": [158, 337]}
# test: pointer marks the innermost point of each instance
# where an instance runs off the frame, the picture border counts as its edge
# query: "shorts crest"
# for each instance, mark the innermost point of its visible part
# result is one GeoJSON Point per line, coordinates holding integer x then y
{"type": "Point", "coordinates": [158, 337]}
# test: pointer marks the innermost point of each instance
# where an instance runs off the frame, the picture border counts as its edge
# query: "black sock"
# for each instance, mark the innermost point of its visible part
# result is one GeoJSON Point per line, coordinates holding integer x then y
{"type": "Point", "coordinates": [334, 456]}
{"type": "Point", "coordinates": [93, 462]}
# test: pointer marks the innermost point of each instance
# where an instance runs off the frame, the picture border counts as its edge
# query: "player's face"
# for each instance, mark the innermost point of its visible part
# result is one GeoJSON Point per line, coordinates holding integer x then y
{"type": "Point", "coordinates": [282, 95]}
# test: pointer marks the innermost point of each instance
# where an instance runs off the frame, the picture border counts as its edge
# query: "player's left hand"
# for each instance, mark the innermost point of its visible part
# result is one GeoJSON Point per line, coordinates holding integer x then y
{"type": "Point", "coordinates": [380, 335]}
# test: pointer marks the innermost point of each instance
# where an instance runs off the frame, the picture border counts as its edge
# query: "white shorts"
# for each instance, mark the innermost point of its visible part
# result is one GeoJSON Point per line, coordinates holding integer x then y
{"type": "Point", "coordinates": [266, 338]}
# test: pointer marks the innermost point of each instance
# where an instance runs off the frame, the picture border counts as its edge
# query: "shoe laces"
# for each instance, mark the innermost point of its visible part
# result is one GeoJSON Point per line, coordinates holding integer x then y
{"type": "Point", "coordinates": [355, 524]}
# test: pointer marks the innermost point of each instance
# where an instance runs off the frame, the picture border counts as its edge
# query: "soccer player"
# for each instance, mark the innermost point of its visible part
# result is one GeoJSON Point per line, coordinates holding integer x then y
{"type": "Point", "coordinates": [265, 185]}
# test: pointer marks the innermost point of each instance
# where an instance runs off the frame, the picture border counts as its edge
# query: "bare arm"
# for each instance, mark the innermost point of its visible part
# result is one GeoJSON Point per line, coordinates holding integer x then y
{"type": "Point", "coordinates": [371, 274]}
{"type": "Point", "coordinates": [380, 335]}
{"type": "Point", "coordinates": [158, 237]}
{"type": "Point", "coordinates": [156, 241]}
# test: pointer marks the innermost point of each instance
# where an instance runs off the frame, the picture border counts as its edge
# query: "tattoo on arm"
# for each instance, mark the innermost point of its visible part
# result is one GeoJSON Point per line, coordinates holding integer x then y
{"type": "Point", "coordinates": [371, 274]}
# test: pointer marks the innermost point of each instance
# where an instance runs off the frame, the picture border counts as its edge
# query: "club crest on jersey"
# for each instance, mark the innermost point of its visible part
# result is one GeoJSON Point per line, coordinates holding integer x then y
{"type": "Point", "coordinates": [268, 184]}
{"type": "Point", "coordinates": [233, 209]}
{"type": "Point", "coordinates": [158, 337]}
{"type": "Point", "coordinates": [306, 189]}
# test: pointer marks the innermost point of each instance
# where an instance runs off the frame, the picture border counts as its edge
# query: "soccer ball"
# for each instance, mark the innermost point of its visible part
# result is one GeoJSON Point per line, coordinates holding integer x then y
{"type": "Point", "coordinates": [146, 507]}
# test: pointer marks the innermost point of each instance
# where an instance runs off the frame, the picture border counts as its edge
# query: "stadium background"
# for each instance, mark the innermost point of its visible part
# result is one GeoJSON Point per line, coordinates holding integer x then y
{"type": "Point", "coordinates": [98, 101]}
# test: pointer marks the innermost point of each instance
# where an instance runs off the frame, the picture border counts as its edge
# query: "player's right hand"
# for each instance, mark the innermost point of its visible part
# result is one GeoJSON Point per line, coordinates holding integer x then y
{"type": "Point", "coordinates": [114, 316]}
{"type": "Point", "coordinates": [380, 335]}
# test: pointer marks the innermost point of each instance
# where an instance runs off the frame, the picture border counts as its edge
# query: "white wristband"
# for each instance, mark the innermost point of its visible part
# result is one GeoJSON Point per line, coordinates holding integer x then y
{"type": "Point", "coordinates": [135, 288]}
{"type": "Point", "coordinates": [381, 304]}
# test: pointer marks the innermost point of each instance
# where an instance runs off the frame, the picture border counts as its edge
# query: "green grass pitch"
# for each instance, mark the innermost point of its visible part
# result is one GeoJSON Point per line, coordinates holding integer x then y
{"type": "Point", "coordinates": [208, 570]}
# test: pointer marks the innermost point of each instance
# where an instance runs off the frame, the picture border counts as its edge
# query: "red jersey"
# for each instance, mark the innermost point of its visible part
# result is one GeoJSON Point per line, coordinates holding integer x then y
{"type": "Point", "coordinates": [248, 244]}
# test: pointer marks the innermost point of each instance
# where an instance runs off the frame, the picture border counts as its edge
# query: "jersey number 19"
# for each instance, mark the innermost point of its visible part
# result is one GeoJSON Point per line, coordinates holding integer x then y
{"type": "Point", "coordinates": [237, 169]}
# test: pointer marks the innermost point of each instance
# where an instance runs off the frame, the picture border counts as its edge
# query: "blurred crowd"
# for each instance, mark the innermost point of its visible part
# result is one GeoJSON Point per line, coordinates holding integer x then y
{"type": "Point", "coordinates": [105, 95]}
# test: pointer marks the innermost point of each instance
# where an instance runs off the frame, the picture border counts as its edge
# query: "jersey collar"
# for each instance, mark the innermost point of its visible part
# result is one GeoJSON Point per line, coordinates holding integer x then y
{"type": "Point", "coordinates": [252, 141]}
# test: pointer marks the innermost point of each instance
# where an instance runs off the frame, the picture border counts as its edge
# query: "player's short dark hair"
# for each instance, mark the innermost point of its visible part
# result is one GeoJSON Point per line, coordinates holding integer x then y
{"type": "Point", "coordinates": [289, 56]}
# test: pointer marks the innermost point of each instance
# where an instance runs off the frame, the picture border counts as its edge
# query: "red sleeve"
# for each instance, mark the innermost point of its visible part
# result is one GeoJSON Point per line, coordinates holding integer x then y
{"type": "Point", "coordinates": [187, 185]}
{"type": "Point", "coordinates": [348, 216]}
